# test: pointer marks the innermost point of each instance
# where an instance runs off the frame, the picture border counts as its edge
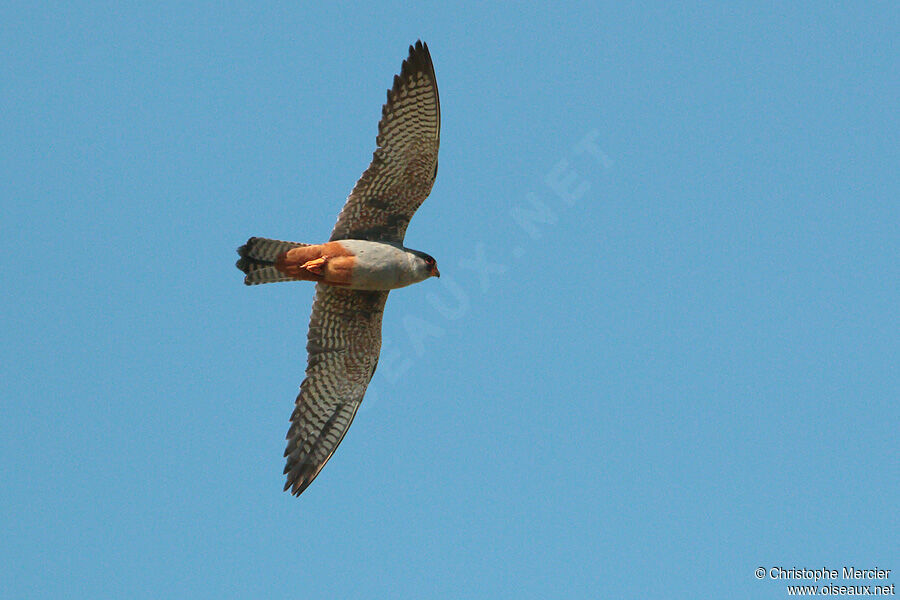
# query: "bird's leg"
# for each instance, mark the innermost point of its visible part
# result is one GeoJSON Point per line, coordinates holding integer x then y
{"type": "Point", "coordinates": [315, 265]}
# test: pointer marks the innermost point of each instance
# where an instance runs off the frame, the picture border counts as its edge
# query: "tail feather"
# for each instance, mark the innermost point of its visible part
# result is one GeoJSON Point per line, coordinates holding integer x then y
{"type": "Point", "coordinates": [258, 257]}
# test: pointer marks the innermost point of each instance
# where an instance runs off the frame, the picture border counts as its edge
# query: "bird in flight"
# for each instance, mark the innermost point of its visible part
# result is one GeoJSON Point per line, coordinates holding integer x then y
{"type": "Point", "coordinates": [356, 268]}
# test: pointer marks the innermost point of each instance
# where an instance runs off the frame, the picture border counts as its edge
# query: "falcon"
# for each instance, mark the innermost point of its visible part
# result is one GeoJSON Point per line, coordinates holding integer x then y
{"type": "Point", "coordinates": [356, 268]}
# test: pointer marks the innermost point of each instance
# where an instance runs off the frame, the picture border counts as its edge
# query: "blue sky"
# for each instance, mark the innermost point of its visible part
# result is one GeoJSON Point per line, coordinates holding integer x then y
{"type": "Point", "coordinates": [663, 351]}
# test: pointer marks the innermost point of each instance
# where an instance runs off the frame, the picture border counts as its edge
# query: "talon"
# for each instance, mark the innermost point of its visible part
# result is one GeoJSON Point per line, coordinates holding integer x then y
{"type": "Point", "coordinates": [315, 265]}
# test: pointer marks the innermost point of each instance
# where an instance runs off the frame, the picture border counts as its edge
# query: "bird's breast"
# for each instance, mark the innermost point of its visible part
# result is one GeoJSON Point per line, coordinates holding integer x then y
{"type": "Point", "coordinates": [377, 265]}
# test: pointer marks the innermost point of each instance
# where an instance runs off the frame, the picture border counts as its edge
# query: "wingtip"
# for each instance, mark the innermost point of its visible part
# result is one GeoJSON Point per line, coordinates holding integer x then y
{"type": "Point", "coordinates": [289, 487]}
{"type": "Point", "coordinates": [419, 60]}
{"type": "Point", "coordinates": [296, 486]}
{"type": "Point", "coordinates": [418, 52]}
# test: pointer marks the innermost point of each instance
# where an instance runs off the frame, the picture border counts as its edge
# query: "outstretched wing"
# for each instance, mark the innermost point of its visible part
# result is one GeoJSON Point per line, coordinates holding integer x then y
{"type": "Point", "coordinates": [343, 344]}
{"type": "Point", "coordinates": [405, 163]}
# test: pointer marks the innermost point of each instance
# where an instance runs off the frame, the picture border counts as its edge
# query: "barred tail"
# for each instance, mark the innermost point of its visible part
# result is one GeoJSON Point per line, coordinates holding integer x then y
{"type": "Point", "coordinates": [258, 257]}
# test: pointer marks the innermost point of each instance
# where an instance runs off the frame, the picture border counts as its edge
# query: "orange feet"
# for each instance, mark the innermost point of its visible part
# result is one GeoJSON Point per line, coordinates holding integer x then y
{"type": "Point", "coordinates": [315, 265]}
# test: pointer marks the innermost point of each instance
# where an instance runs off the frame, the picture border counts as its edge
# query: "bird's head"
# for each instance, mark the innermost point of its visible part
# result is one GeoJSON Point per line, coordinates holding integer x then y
{"type": "Point", "coordinates": [425, 265]}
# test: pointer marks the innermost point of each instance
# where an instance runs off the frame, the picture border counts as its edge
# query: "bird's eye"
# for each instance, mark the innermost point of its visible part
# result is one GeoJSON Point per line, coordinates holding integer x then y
{"type": "Point", "coordinates": [429, 261]}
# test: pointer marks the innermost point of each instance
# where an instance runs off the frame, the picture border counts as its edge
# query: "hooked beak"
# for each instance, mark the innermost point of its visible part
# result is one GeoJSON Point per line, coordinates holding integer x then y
{"type": "Point", "coordinates": [435, 272]}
